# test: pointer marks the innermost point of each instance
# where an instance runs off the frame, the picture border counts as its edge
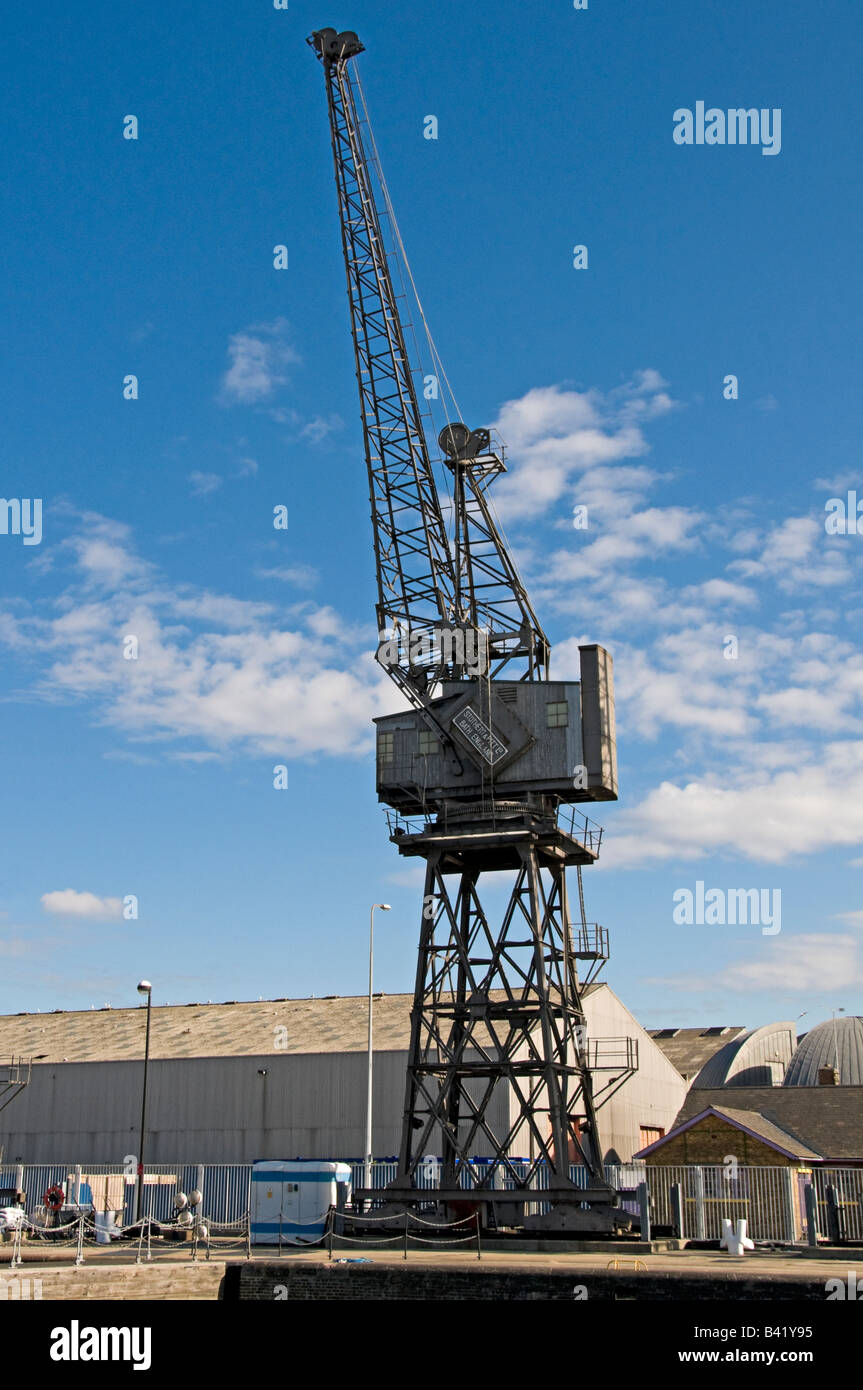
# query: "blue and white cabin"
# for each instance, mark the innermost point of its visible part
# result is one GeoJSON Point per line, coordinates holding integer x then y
{"type": "Point", "coordinates": [290, 1200]}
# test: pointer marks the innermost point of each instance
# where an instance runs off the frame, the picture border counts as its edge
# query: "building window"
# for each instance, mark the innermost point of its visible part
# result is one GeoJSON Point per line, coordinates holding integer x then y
{"type": "Point", "coordinates": [557, 712]}
{"type": "Point", "coordinates": [429, 743]}
{"type": "Point", "coordinates": [385, 748]}
{"type": "Point", "coordinates": [650, 1134]}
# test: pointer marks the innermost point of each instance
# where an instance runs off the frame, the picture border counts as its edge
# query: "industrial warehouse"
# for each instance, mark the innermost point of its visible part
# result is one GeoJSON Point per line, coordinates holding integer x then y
{"type": "Point", "coordinates": [229, 1083]}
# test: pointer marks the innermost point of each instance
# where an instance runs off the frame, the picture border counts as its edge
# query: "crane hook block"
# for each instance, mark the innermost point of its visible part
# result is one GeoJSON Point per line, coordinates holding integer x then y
{"type": "Point", "coordinates": [332, 47]}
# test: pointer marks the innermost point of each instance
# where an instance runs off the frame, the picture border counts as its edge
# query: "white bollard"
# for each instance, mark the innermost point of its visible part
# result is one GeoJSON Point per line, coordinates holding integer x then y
{"type": "Point", "coordinates": [735, 1241]}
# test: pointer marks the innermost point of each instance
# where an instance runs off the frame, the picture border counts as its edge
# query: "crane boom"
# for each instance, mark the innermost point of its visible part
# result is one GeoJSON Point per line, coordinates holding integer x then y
{"type": "Point", "coordinates": [425, 582]}
{"type": "Point", "coordinates": [415, 576]}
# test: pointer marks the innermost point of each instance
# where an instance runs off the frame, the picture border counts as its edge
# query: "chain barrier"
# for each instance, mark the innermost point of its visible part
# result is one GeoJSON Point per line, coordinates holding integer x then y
{"type": "Point", "coordinates": [235, 1235]}
{"type": "Point", "coordinates": [453, 1240]}
{"type": "Point", "coordinates": [405, 1234]}
{"type": "Point", "coordinates": [443, 1225]}
{"type": "Point", "coordinates": [377, 1240]}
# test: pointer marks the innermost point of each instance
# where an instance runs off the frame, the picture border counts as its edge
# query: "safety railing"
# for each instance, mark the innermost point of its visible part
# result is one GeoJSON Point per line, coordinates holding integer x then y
{"type": "Point", "coordinates": [770, 1199]}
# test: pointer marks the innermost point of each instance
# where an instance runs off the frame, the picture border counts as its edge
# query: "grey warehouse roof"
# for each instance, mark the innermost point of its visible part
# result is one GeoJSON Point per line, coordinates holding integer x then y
{"type": "Point", "coordinates": [242, 1029]}
{"type": "Point", "coordinates": [688, 1049]}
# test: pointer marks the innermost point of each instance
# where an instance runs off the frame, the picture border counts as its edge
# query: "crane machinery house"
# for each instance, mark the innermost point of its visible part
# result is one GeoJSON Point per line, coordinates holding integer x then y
{"type": "Point", "coordinates": [517, 737]}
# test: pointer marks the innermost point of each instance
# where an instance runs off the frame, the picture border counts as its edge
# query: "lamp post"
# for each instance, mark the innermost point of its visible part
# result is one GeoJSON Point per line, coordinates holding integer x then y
{"type": "Point", "coordinates": [367, 1180]}
{"type": "Point", "coordinates": [143, 988]}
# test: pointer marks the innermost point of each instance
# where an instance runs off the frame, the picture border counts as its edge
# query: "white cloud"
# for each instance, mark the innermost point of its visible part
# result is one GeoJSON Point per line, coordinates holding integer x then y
{"type": "Point", "coordinates": [723, 592]}
{"type": "Point", "coordinates": [303, 576]}
{"type": "Point", "coordinates": [103, 554]}
{"type": "Point", "coordinates": [211, 668]}
{"type": "Point", "coordinates": [839, 483]}
{"type": "Point", "coordinates": [258, 358]}
{"type": "Point", "coordinates": [795, 554]}
{"type": "Point", "coordinates": [554, 434]}
{"type": "Point", "coordinates": [319, 427]}
{"type": "Point", "coordinates": [773, 817]}
{"type": "Point", "coordinates": [67, 902]}
{"type": "Point", "coordinates": [204, 483]}
{"type": "Point", "coordinates": [808, 964]}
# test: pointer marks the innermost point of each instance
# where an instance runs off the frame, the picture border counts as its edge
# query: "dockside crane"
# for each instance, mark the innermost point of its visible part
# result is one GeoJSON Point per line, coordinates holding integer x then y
{"type": "Point", "coordinates": [481, 772]}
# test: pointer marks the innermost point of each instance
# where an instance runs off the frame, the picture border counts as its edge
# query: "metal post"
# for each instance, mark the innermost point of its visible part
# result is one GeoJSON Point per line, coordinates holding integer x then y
{"type": "Point", "coordinates": [790, 1227]}
{"type": "Point", "coordinates": [677, 1208]}
{"type": "Point", "coordinates": [16, 1245]}
{"type": "Point", "coordinates": [644, 1209]}
{"type": "Point", "coordinates": [834, 1224]}
{"type": "Point", "coordinates": [143, 988]}
{"type": "Point", "coordinates": [367, 1174]}
{"type": "Point", "coordinates": [811, 1202]}
{"type": "Point", "coordinates": [406, 1235]}
{"type": "Point", "coordinates": [478, 1250]}
{"type": "Point", "coordinates": [367, 1177]}
{"type": "Point", "coordinates": [698, 1187]}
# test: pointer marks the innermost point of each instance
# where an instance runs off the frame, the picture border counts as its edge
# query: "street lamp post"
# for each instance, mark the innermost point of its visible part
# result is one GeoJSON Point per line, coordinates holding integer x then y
{"type": "Point", "coordinates": [367, 1180]}
{"type": "Point", "coordinates": [143, 988]}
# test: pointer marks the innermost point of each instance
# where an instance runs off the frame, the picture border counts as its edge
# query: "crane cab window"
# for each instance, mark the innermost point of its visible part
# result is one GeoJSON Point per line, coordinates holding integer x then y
{"type": "Point", "coordinates": [385, 748]}
{"type": "Point", "coordinates": [429, 743]}
{"type": "Point", "coordinates": [557, 714]}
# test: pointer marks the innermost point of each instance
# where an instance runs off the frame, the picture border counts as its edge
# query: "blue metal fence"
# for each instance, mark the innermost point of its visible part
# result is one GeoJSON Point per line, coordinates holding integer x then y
{"type": "Point", "coordinates": [773, 1214]}
{"type": "Point", "coordinates": [225, 1186]}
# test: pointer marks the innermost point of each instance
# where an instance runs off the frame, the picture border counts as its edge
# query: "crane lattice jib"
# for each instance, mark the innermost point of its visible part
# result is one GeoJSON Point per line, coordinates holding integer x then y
{"type": "Point", "coordinates": [414, 563]}
{"type": "Point", "coordinates": [490, 592]}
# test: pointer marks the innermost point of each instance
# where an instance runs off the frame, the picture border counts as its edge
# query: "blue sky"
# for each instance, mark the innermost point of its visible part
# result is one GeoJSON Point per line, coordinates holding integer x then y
{"type": "Point", "coordinates": [706, 515]}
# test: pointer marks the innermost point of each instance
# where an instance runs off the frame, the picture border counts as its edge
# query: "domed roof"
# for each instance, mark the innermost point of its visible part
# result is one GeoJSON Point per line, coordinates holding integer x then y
{"type": "Point", "coordinates": [759, 1057]}
{"type": "Point", "coordinates": [824, 1046]}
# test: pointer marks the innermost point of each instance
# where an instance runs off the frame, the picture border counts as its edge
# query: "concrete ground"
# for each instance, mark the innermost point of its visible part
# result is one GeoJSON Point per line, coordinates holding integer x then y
{"type": "Point", "coordinates": [113, 1273]}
